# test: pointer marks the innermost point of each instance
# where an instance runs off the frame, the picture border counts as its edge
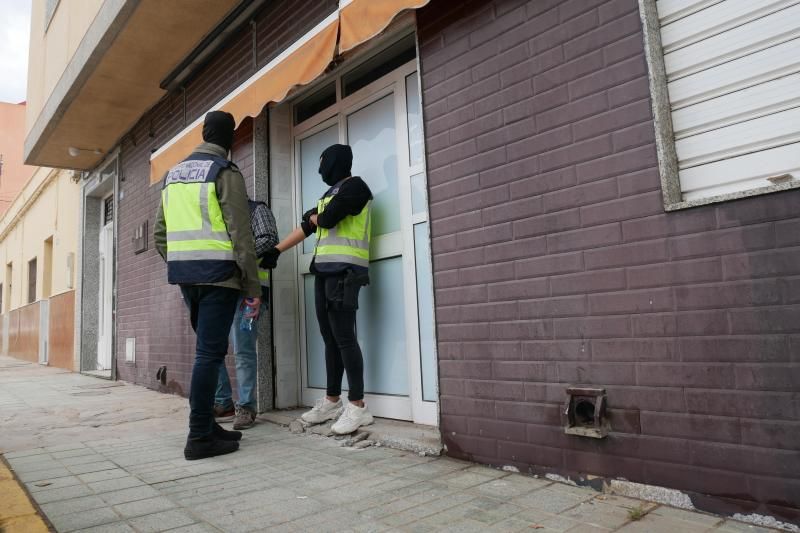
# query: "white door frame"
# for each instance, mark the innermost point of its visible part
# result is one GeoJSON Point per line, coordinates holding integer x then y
{"type": "Point", "coordinates": [105, 322]}
{"type": "Point", "coordinates": [411, 407]}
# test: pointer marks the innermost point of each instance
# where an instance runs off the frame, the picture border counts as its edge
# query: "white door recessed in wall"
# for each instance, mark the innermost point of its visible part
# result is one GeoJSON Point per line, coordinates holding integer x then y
{"type": "Point", "coordinates": [106, 289]}
{"type": "Point", "coordinates": [381, 121]}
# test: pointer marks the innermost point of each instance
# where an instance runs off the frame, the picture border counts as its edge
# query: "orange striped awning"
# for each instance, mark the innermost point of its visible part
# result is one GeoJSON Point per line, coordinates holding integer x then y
{"type": "Point", "coordinates": [355, 22]}
{"type": "Point", "coordinates": [362, 20]}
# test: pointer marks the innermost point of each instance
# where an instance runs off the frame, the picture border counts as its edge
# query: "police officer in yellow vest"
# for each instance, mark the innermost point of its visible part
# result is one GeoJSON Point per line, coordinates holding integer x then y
{"type": "Point", "coordinates": [203, 232]}
{"type": "Point", "coordinates": [341, 262]}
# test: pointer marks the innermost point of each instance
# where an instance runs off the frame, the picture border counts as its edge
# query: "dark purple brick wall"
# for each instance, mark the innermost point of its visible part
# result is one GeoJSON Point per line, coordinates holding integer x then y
{"type": "Point", "coordinates": [148, 308]}
{"type": "Point", "coordinates": [555, 263]}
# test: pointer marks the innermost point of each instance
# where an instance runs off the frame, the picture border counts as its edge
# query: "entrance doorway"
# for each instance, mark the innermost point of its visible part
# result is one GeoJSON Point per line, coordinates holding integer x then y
{"type": "Point", "coordinates": [106, 290]}
{"type": "Point", "coordinates": [379, 115]}
{"type": "Point", "coordinates": [95, 295]}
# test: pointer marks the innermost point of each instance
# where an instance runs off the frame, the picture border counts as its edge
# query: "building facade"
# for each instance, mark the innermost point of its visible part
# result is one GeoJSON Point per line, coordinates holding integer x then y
{"type": "Point", "coordinates": [585, 256]}
{"type": "Point", "coordinates": [38, 245]}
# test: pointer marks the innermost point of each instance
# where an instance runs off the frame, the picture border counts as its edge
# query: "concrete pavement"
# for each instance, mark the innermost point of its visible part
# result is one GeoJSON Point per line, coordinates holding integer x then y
{"type": "Point", "coordinates": [17, 511]}
{"type": "Point", "coordinates": [105, 456]}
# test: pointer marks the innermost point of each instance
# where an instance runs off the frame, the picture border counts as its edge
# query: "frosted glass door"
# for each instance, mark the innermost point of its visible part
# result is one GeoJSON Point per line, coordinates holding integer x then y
{"type": "Point", "coordinates": [380, 320]}
{"type": "Point", "coordinates": [311, 185]}
{"type": "Point", "coordinates": [371, 132]}
{"type": "Point", "coordinates": [395, 320]}
{"type": "Point", "coordinates": [381, 324]}
{"type": "Point", "coordinates": [381, 332]}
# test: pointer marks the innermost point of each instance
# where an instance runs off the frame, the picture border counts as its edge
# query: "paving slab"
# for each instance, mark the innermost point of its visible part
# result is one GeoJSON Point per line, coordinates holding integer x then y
{"type": "Point", "coordinates": [114, 463]}
{"type": "Point", "coordinates": [84, 519]}
{"type": "Point", "coordinates": [164, 521]}
{"type": "Point", "coordinates": [74, 505]}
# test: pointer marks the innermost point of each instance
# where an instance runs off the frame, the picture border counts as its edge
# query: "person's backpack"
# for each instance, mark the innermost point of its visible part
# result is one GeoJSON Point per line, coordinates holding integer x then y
{"type": "Point", "coordinates": [262, 222]}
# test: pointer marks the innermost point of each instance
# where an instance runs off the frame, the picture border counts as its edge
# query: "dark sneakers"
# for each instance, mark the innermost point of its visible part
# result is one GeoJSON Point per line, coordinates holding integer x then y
{"type": "Point", "coordinates": [245, 418]}
{"type": "Point", "coordinates": [221, 433]}
{"type": "Point", "coordinates": [208, 447]}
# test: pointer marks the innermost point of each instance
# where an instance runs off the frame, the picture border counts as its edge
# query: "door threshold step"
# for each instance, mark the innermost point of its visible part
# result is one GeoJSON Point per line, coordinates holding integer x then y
{"type": "Point", "coordinates": [396, 434]}
{"type": "Point", "coordinates": [104, 374]}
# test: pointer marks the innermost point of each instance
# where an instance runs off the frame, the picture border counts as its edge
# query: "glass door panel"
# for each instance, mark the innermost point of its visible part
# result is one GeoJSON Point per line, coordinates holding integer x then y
{"type": "Point", "coordinates": [427, 333]}
{"type": "Point", "coordinates": [315, 348]}
{"type": "Point", "coordinates": [381, 329]}
{"type": "Point", "coordinates": [371, 132]}
{"type": "Point", "coordinates": [414, 110]}
{"type": "Point", "coordinates": [311, 185]}
{"type": "Point", "coordinates": [311, 189]}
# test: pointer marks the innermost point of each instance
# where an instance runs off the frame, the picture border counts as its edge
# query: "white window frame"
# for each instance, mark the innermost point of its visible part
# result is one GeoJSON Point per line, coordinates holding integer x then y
{"type": "Point", "coordinates": [662, 120]}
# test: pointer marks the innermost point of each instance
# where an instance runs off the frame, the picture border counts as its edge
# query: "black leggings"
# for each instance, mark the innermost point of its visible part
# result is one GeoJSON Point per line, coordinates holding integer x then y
{"type": "Point", "coordinates": [337, 324]}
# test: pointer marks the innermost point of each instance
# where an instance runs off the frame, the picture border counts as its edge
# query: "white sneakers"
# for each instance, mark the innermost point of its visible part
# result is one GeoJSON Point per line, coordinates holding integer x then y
{"type": "Point", "coordinates": [323, 410]}
{"type": "Point", "coordinates": [352, 417]}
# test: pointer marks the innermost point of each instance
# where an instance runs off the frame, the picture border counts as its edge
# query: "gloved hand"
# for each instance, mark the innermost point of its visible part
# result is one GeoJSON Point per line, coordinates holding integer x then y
{"type": "Point", "coordinates": [307, 215]}
{"type": "Point", "coordinates": [270, 258]}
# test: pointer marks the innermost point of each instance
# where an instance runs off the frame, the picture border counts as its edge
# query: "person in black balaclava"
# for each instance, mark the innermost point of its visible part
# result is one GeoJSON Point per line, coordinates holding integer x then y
{"type": "Point", "coordinates": [218, 129]}
{"type": "Point", "coordinates": [335, 163]}
{"type": "Point", "coordinates": [340, 264]}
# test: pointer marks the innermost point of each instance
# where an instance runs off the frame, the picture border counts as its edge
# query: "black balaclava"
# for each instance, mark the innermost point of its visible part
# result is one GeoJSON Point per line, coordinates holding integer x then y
{"type": "Point", "coordinates": [218, 129]}
{"type": "Point", "coordinates": [335, 163]}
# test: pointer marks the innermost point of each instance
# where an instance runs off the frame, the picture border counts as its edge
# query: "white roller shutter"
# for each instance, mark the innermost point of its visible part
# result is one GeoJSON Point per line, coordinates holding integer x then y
{"type": "Point", "coordinates": [733, 78]}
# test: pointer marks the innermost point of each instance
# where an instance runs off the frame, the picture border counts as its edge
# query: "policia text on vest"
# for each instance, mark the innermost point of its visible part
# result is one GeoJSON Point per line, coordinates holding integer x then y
{"type": "Point", "coordinates": [199, 249]}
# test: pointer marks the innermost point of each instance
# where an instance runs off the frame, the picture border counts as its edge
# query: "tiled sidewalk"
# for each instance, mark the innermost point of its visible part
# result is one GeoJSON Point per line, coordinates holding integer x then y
{"type": "Point", "coordinates": [17, 513]}
{"type": "Point", "coordinates": [138, 480]}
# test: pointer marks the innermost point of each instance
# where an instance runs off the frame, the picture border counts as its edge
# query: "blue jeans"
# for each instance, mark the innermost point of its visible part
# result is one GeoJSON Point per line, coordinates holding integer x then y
{"type": "Point", "coordinates": [244, 346]}
{"type": "Point", "coordinates": [211, 310]}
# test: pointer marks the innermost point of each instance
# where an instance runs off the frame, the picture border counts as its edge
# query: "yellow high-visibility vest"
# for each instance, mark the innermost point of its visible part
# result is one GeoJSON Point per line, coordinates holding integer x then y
{"type": "Point", "coordinates": [348, 242]}
{"type": "Point", "coordinates": [199, 248]}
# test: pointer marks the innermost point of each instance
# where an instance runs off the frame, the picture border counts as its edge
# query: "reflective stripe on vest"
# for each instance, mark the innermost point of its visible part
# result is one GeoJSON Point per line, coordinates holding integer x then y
{"type": "Point", "coordinates": [348, 242]}
{"type": "Point", "coordinates": [196, 230]}
{"type": "Point", "coordinates": [263, 277]}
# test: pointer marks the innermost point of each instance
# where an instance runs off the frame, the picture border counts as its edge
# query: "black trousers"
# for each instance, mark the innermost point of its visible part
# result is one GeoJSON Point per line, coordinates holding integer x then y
{"type": "Point", "coordinates": [211, 311]}
{"type": "Point", "coordinates": [337, 324]}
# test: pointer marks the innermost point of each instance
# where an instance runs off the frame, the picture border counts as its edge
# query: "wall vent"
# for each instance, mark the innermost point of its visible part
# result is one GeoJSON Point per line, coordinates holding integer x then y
{"type": "Point", "coordinates": [585, 412]}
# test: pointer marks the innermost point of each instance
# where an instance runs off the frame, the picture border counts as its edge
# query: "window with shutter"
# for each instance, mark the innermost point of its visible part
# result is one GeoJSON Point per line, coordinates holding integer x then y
{"type": "Point", "coordinates": [724, 78]}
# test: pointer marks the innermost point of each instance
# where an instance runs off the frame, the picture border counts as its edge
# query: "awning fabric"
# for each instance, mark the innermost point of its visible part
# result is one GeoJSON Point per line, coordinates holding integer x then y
{"type": "Point", "coordinates": [357, 22]}
{"type": "Point", "coordinates": [361, 20]}
{"type": "Point", "coordinates": [271, 84]}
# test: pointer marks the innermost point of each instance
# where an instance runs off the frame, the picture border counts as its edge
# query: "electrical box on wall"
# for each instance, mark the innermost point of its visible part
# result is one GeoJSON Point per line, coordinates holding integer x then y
{"type": "Point", "coordinates": [130, 350]}
{"type": "Point", "coordinates": [140, 238]}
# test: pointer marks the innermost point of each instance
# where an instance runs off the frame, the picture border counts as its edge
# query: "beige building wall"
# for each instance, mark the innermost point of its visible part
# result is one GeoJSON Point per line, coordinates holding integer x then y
{"type": "Point", "coordinates": [42, 224]}
{"type": "Point", "coordinates": [53, 45]}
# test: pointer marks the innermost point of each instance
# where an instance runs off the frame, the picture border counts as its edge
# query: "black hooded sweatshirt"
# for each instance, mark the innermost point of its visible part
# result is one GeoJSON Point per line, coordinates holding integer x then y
{"type": "Point", "coordinates": [353, 195]}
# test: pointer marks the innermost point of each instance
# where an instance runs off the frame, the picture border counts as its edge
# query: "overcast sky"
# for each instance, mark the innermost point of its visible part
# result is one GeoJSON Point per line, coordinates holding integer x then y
{"type": "Point", "coordinates": [15, 23]}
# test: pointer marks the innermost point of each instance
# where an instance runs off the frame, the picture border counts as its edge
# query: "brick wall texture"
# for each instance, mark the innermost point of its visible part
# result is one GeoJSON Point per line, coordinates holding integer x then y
{"type": "Point", "coordinates": [554, 260]}
{"type": "Point", "coordinates": [148, 308]}
{"type": "Point", "coordinates": [556, 264]}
